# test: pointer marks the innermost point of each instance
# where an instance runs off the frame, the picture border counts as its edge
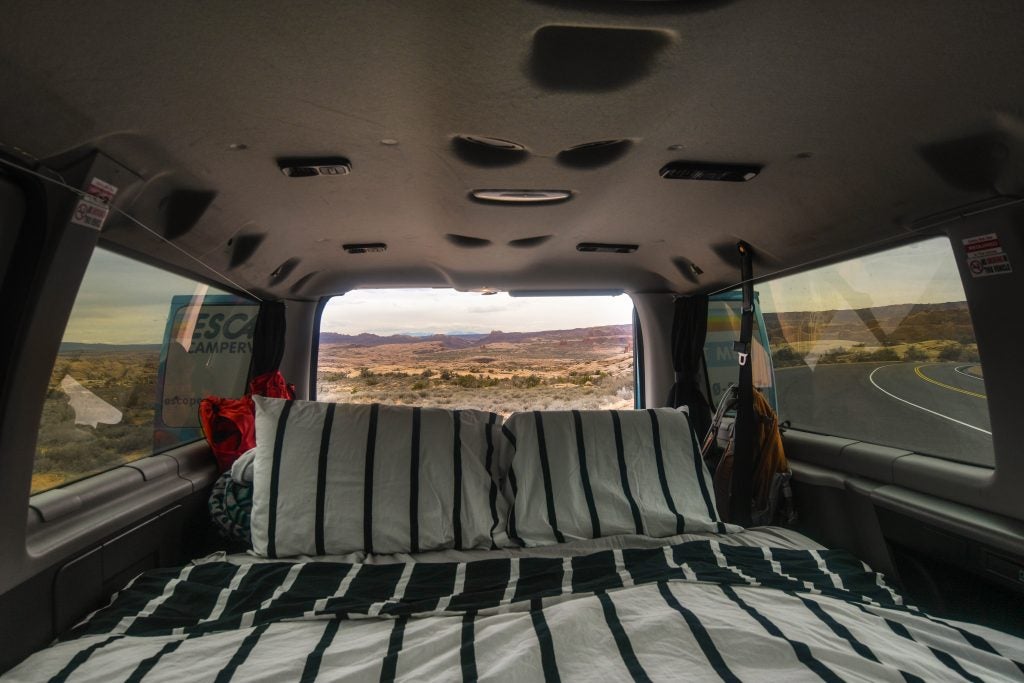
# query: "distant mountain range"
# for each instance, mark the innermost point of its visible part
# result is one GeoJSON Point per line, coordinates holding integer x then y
{"type": "Point", "coordinates": [900, 323]}
{"type": "Point", "coordinates": [465, 341]}
{"type": "Point", "coordinates": [66, 347]}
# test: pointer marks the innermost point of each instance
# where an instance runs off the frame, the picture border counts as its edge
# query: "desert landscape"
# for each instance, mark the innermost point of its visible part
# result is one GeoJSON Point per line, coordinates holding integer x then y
{"type": "Point", "coordinates": [905, 332]}
{"type": "Point", "coordinates": [100, 403]}
{"type": "Point", "coordinates": [71, 443]}
{"type": "Point", "coordinates": [503, 372]}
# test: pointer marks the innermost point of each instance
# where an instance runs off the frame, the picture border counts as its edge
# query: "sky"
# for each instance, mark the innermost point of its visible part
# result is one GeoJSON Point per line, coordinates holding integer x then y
{"type": "Point", "coordinates": [923, 272]}
{"type": "Point", "coordinates": [407, 311]}
{"type": "Point", "coordinates": [124, 302]}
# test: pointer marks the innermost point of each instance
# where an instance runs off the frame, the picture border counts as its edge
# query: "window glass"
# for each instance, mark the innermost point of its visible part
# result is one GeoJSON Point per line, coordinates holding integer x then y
{"type": "Point", "coordinates": [725, 312]}
{"type": "Point", "coordinates": [141, 348]}
{"type": "Point", "coordinates": [881, 349]}
{"type": "Point", "coordinates": [432, 347]}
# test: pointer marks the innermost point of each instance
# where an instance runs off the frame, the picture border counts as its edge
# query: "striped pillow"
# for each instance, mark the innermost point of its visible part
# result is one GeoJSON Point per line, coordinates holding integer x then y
{"type": "Point", "coordinates": [338, 478]}
{"type": "Point", "coordinates": [587, 474]}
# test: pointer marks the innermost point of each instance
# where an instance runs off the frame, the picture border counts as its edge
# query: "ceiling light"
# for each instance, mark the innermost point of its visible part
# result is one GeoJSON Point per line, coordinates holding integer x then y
{"type": "Point", "coordinates": [521, 196]}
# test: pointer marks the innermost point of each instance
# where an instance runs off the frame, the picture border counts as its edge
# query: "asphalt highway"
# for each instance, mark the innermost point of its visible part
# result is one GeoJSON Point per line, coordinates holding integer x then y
{"type": "Point", "coordinates": [932, 408]}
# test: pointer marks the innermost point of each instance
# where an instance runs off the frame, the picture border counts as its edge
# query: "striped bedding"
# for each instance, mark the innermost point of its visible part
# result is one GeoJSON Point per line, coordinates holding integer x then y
{"type": "Point", "coordinates": [694, 610]}
{"type": "Point", "coordinates": [336, 478]}
{"type": "Point", "coordinates": [584, 474]}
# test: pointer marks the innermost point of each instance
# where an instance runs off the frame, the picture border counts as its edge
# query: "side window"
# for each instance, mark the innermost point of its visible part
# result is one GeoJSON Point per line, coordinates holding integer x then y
{"type": "Point", "coordinates": [881, 349]}
{"type": "Point", "coordinates": [443, 348]}
{"type": "Point", "coordinates": [141, 348]}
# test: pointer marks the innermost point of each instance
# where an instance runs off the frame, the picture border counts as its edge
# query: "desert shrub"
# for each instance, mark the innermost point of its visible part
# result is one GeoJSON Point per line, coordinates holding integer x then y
{"type": "Point", "coordinates": [913, 353]}
{"type": "Point", "coordinates": [475, 381]}
{"type": "Point", "coordinates": [527, 382]}
{"type": "Point", "coordinates": [427, 374]}
{"type": "Point", "coordinates": [882, 354]}
{"type": "Point", "coordinates": [952, 352]}
{"type": "Point", "coordinates": [785, 356]}
{"type": "Point", "coordinates": [419, 385]}
{"type": "Point", "coordinates": [331, 376]}
{"type": "Point", "coordinates": [365, 372]}
{"type": "Point", "coordinates": [836, 355]}
{"type": "Point", "coordinates": [447, 375]}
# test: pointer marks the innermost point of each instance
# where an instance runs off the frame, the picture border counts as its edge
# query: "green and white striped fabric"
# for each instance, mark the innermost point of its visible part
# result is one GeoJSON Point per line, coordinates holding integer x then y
{"type": "Point", "coordinates": [333, 478]}
{"type": "Point", "coordinates": [701, 610]}
{"type": "Point", "coordinates": [588, 474]}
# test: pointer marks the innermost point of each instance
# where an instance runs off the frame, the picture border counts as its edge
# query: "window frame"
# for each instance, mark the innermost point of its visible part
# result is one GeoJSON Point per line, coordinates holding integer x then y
{"type": "Point", "coordinates": [875, 250]}
{"type": "Point", "coordinates": [639, 379]}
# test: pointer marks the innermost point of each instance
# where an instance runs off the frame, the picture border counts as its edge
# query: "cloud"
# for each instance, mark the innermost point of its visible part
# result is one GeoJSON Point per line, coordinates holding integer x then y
{"type": "Point", "coordinates": [923, 272]}
{"type": "Point", "coordinates": [441, 311]}
{"type": "Point", "coordinates": [487, 309]}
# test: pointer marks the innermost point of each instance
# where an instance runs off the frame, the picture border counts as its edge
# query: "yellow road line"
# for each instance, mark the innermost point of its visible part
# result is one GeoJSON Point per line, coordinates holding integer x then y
{"type": "Point", "coordinates": [917, 371]}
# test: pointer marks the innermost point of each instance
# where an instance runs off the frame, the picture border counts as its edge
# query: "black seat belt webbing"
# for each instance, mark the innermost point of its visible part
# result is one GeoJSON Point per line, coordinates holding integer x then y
{"type": "Point", "coordinates": [741, 495]}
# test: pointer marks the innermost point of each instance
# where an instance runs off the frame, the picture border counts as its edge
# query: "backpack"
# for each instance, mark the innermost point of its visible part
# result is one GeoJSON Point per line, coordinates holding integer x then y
{"type": "Point", "coordinates": [229, 424]}
{"type": "Point", "coordinates": [772, 495]}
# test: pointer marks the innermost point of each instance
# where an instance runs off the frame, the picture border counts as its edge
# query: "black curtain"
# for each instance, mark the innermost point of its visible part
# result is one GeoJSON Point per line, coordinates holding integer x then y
{"type": "Point", "coordinates": [689, 331]}
{"type": "Point", "coordinates": [268, 339]}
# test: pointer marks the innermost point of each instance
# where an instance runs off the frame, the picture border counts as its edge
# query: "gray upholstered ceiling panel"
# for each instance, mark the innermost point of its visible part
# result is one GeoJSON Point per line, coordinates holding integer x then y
{"type": "Point", "coordinates": [865, 115]}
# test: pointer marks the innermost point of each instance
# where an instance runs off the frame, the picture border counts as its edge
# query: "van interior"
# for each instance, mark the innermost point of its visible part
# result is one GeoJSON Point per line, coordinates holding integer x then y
{"type": "Point", "coordinates": [542, 211]}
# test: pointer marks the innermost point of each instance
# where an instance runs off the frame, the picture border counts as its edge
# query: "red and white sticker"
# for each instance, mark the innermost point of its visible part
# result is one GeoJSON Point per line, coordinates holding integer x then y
{"type": "Point", "coordinates": [985, 256]}
{"type": "Point", "coordinates": [93, 208]}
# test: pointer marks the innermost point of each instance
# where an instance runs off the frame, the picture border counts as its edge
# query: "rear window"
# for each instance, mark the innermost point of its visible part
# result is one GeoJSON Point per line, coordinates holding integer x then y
{"type": "Point", "coordinates": [141, 348]}
{"type": "Point", "coordinates": [442, 348]}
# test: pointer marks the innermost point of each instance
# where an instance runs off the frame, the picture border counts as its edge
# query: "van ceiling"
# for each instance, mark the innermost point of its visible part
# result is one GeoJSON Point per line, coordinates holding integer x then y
{"type": "Point", "coordinates": [865, 116]}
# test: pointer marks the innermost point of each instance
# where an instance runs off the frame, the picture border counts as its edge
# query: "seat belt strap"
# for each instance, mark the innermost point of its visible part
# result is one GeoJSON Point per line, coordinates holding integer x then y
{"type": "Point", "coordinates": [741, 496]}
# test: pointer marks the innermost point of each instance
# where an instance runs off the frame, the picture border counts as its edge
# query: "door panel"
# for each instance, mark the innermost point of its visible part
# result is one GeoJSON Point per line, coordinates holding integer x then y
{"type": "Point", "coordinates": [955, 560]}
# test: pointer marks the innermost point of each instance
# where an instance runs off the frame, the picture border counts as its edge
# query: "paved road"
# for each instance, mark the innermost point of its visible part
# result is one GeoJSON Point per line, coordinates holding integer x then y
{"type": "Point", "coordinates": [932, 408]}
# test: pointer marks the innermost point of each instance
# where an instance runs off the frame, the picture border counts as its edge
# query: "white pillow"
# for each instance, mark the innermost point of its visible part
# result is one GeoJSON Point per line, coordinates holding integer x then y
{"type": "Point", "coordinates": [340, 478]}
{"type": "Point", "coordinates": [587, 474]}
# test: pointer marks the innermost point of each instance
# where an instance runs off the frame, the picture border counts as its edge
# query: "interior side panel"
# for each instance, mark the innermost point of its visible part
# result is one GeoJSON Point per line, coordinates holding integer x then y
{"type": "Point", "coordinates": [59, 596]}
{"type": "Point", "coordinates": [954, 560]}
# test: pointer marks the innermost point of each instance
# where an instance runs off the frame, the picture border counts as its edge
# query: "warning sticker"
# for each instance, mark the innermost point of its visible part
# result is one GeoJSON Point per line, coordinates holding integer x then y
{"type": "Point", "coordinates": [93, 208]}
{"type": "Point", "coordinates": [985, 256]}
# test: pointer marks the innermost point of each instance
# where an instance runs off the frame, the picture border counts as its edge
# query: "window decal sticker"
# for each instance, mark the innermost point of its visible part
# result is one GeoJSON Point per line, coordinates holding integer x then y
{"type": "Point", "coordinates": [93, 208]}
{"type": "Point", "coordinates": [985, 256]}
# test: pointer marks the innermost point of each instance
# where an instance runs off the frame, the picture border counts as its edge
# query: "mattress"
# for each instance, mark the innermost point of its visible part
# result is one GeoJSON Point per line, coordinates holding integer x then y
{"type": "Point", "coordinates": [764, 604]}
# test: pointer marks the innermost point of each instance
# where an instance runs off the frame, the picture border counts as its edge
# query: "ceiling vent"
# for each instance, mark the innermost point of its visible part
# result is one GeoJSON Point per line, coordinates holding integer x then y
{"type": "Point", "coordinates": [368, 248]}
{"type": "Point", "coordinates": [309, 167]}
{"type": "Point", "coordinates": [594, 154]}
{"type": "Point", "coordinates": [487, 152]}
{"type": "Point", "coordinates": [700, 170]}
{"type": "Point", "coordinates": [603, 248]}
{"type": "Point", "coordinates": [467, 241]}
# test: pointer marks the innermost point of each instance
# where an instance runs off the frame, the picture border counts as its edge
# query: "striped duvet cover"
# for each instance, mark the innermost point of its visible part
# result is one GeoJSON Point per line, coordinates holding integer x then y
{"type": "Point", "coordinates": [695, 610]}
